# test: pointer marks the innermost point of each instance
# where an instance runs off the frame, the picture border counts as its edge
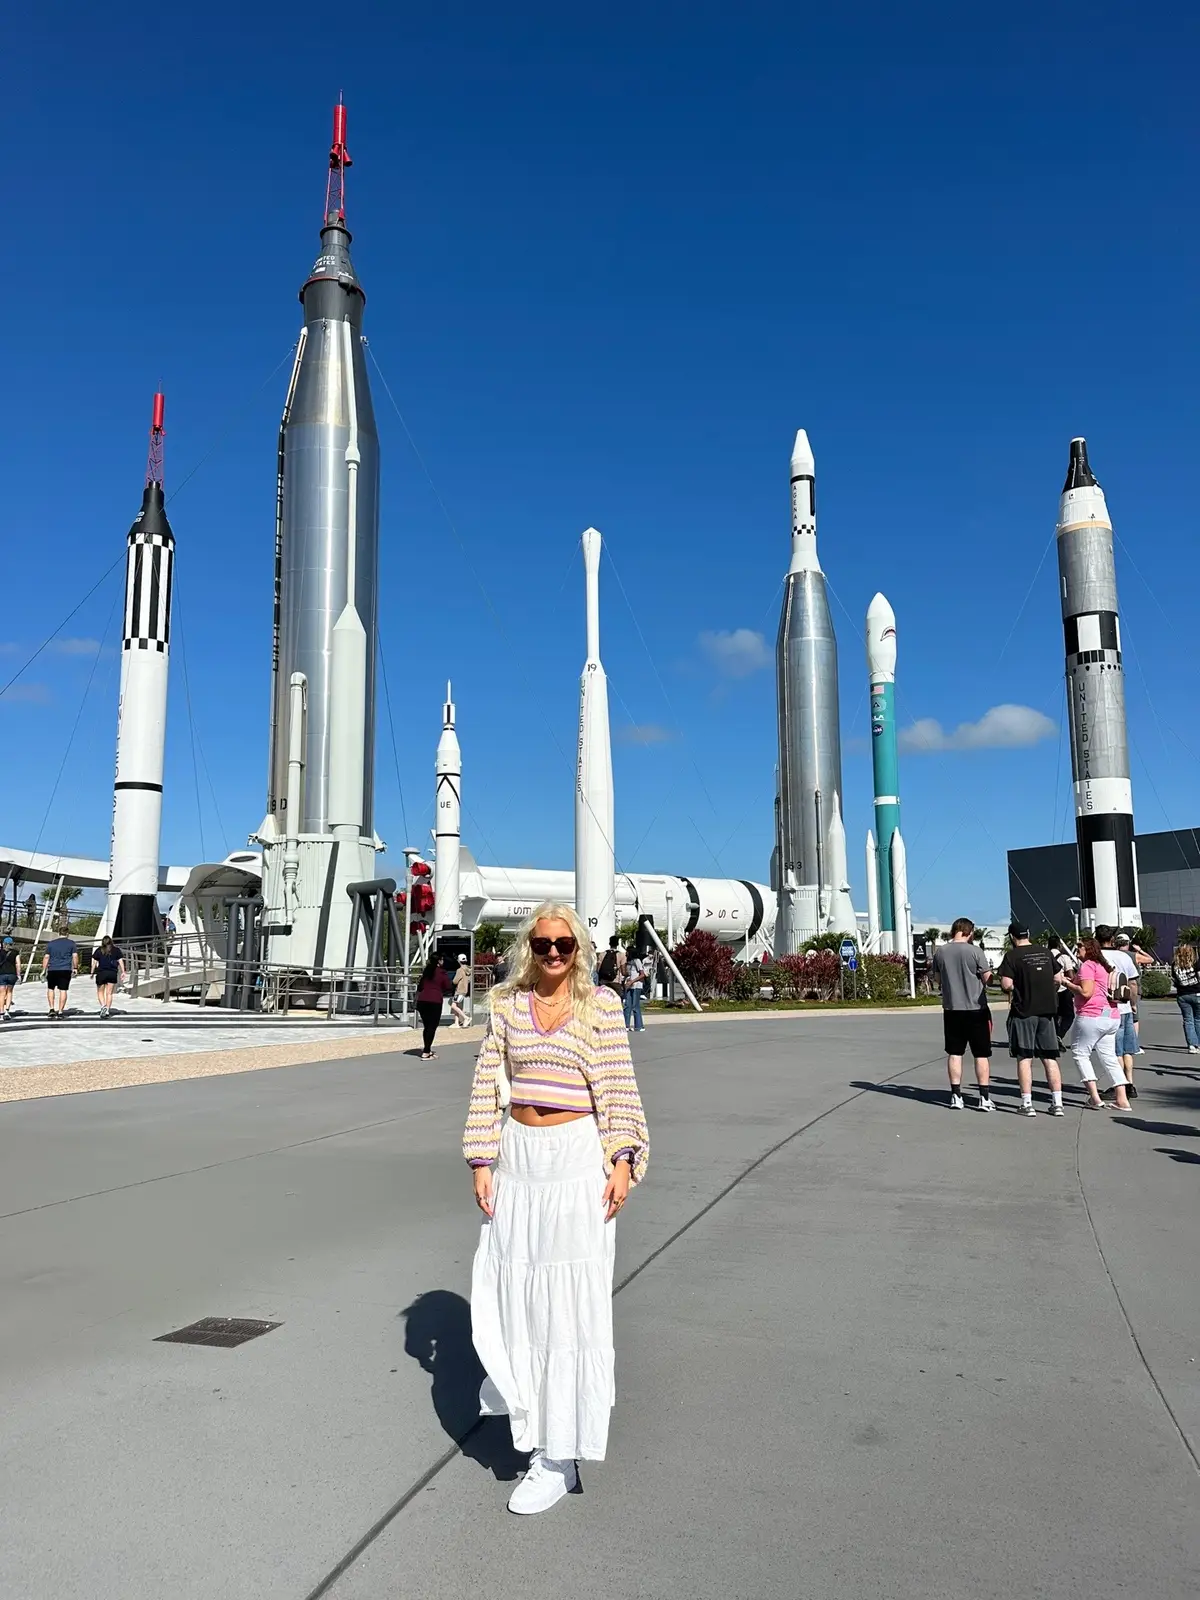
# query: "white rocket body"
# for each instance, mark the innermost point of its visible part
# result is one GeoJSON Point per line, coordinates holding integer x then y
{"type": "Point", "coordinates": [839, 916]}
{"type": "Point", "coordinates": [131, 909]}
{"type": "Point", "coordinates": [447, 823]}
{"type": "Point", "coordinates": [595, 860]}
{"type": "Point", "coordinates": [872, 894]}
{"type": "Point", "coordinates": [903, 943]}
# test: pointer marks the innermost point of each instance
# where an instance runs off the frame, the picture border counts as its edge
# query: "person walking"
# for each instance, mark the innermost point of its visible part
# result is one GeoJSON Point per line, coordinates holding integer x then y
{"type": "Point", "coordinates": [1066, 963]}
{"type": "Point", "coordinates": [1124, 982]}
{"type": "Point", "coordinates": [59, 965]}
{"type": "Point", "coordinates": [1095, 1024]}
{"type": "Point", "coordinates": [1030, 978]}
{"type": "Point", "coordinates": [432, 989]}
{"type": "Point", "coordinates": [108, 969]}
{"type": "Point", "coordinates": [611, 971]}
{"type": "Point", "coordinates": [10, 974]}
{"type": "Point", "coordinates": [961, 971]}
{"type": "Point", "coordinates": [557, 1054]}
{"type": "Point", "coordinates": [637, 981]}
{"type": "Point", "coordinates": [1185, 975]}
{"type": "Point", "coordinates": [460, 1004]}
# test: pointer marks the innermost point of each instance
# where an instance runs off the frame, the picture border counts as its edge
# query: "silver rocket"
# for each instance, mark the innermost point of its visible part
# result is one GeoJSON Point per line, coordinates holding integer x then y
{"type": "Point", "coordinates": [318, 833]}
{"type": "Point", "coordinates": [1108, 883]}
{"type": "Point", "coordinates": [132, 908]}
{"type": "Point", "coordinates": [809, 860]}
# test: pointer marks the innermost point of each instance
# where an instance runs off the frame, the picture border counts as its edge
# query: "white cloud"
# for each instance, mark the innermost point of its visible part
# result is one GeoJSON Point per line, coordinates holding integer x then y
{"type": "Point", "coordinates": [643, 733]}
{"type": "Point", "coordinates": [30, 694]}
{"type": "Point", "coordinates": [75, 647]}
{"type": "Point", "coordinates": [1001, 728]}
{"type": "Point", "coordinates": [737, 652]}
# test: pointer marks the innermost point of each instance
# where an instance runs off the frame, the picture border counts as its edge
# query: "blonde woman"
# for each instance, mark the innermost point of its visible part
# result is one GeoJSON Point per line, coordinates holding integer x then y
{"type": "Point", "coordinates": [557, 1055]}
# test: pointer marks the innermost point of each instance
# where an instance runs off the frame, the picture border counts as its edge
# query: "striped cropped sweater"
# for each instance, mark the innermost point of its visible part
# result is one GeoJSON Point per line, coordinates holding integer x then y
{"type": "Point", "coordinates": [554, 1070]}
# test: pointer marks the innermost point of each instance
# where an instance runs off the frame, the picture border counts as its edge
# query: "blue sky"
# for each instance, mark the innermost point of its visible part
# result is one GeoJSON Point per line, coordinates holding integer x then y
{"type": "Point", "coordinates": [612, 262]}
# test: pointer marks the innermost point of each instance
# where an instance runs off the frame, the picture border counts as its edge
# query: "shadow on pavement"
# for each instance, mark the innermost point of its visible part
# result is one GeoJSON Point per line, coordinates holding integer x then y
{"type": "Point", "coordinates": [906, 1091]}
{"type": "Point", "coordinates": [438, 1336]}
{"type": "Point", "coordinates": [1188, 1156]}
{"type": "Point", "coordinates": [1164, 1130]}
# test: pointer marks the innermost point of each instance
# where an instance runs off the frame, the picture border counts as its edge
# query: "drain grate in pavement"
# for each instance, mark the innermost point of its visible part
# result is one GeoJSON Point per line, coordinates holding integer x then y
{"type": "Point", "coordinates": [224, 1332]}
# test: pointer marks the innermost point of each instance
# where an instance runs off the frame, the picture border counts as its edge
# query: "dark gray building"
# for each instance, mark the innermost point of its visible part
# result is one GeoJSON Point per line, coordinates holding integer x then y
{"type": "Point", "coordinates": [1042, 880]}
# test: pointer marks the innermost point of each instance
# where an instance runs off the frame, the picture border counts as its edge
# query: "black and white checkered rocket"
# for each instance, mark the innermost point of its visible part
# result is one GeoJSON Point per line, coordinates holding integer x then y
{"type": "Point", "coordinates": [132, 910]}
{"type": "Point", "coordinates": [1108, 883]}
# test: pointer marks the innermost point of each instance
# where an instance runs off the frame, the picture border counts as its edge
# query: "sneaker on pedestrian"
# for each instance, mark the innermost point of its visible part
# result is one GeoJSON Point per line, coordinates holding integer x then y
{"type": "Point", "coordinates": [1028, 1110]}
{"type": "Point", "coordinates": [985, 1102]}
{"type": "Point", "coordinates": [1131, 1091]}
{"type": "Point", "coordinates": [1056, 1110]}
{"type": "Point", "coordinates": [1194, 1049]}
{"type": "Point", "coordinates": [956, 1101]}
{"type": "Point", "coordinates": [543, 1485]}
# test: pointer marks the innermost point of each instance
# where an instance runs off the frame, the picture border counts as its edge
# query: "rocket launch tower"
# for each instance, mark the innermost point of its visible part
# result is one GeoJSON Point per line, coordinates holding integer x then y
{"type": "Point", "coordinates": [318, 835]}
{"type": "Point", "coordinates": [1108, 883]}
{"type": "Point", "coordinates": [809, 874]}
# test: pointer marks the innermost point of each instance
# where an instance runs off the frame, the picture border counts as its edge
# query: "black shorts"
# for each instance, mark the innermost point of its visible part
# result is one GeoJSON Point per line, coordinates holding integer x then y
{"type": "Point", "coordinates": [968, 1030]}
{"type": "Point", "coordinates": [1033, 1036]}
{"type": "Point", "coordinates": [58, 980]}
{"type": "Point", "coordinates": [103, 976]}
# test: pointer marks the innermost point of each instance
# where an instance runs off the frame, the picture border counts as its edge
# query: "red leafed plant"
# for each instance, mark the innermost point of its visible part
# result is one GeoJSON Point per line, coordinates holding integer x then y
{"type": "Point", "coordinates": [706, 964]}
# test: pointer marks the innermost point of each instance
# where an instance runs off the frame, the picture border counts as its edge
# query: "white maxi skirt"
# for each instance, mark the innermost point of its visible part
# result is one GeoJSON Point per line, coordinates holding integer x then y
{"type": "Point", "coordinates": [541, 1292]}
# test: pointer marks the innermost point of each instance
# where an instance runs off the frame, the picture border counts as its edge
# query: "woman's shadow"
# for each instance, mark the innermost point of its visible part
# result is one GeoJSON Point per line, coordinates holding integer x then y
{"type": "Point", "coordinates": [438, 1336]}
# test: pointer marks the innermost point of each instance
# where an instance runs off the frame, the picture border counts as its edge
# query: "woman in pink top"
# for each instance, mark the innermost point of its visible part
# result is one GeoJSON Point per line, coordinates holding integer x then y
{"type": "Point", "coordinates": [1095, 1024]}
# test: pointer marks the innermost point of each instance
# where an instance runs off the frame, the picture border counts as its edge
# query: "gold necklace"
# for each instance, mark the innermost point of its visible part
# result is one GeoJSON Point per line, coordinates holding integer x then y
{"type": "Point", "coordinates": [554, 1007]}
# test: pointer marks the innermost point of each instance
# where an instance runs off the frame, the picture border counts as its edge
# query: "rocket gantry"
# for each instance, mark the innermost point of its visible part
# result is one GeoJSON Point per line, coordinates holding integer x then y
{"type": "Point", "coordinates": [808, 876]}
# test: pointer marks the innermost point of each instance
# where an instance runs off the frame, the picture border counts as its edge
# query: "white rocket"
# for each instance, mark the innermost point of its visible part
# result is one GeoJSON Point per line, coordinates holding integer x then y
{"type": "Point", "coordinates": [447, 825]}
{"type": "Point", "coordinates": [132, 908]}
{"type": "Point", "coordinates": [595, 863]}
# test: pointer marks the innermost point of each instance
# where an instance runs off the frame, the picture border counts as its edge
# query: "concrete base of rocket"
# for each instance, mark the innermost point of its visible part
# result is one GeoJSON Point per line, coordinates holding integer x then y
{"type": "Point", "coordinates": [307, 914]}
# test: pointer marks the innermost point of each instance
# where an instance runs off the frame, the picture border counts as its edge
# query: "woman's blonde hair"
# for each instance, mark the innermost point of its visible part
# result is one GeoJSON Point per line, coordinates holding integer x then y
{"type": "Point", "coordinates": [523, 968]}
{"type": "Point", "coordinates": [1185, 955]}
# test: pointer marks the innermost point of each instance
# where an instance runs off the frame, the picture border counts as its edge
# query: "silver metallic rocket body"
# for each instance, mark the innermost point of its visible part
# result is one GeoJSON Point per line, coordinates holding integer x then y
{"type": "Point", "coordinates": [311, 553]}
{"type": "Point", "coordinates": [810, 747]}
{"type": "Point", "coordinates": [1096, 700]}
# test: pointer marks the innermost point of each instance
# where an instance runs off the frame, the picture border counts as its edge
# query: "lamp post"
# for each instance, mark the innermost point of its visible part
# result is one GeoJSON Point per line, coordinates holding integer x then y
{"type": "Point", "coordinates": [1076, 905]}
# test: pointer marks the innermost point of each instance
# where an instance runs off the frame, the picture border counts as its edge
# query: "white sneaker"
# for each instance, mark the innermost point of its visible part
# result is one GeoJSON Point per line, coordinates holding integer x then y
{"type": "Point", "coordinates": [985, 1102]}
{"type": "Point", "coordinates": [543, 1485]}
{"type": "Point", "coordinates": [956, 1102]}
{"type": "Point", "coordinates": [1028, 1111]}
{"type": "Point", "coordinates": [1194, 1049]}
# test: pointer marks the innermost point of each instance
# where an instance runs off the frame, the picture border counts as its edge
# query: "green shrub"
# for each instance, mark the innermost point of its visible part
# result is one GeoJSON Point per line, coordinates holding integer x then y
{"type": "Point", "coordinates": [884, 978]}
{"type": "Point", "coordinates": [747, 981]}
{"type": "Point", "coordinates": [1155, 983]}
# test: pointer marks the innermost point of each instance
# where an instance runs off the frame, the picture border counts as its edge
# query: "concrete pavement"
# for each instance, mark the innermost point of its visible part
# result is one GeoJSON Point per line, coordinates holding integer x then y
{"type": "Point", "coordinates": [866, 1346]}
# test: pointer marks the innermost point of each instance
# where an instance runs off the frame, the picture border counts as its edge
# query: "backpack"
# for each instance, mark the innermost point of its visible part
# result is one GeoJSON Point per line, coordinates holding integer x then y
{"type": "Point", "coordinates": [608, 967]}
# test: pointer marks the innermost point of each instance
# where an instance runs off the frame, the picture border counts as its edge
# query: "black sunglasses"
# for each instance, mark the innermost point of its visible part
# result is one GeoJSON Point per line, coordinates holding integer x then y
{"type": "Point", "coordinates": [565, 946]}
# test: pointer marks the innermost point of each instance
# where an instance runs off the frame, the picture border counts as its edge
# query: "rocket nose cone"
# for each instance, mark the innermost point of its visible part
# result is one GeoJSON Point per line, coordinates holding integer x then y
{"type": "Point", "coordinates": [880, 610]}
{"type": "Point", "coordinates": [334, 263]}
{"type": "Point", "coordinates": [1079, 471]}
{"type": "Point", "coordinates": [802, 456]}
{"type": "Point", "coordinates": [152, 518]}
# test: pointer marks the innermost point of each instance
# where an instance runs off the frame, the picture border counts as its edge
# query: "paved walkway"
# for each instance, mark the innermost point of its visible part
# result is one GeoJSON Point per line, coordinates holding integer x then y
{"type": "Point", "coordinates": [866, 1346]}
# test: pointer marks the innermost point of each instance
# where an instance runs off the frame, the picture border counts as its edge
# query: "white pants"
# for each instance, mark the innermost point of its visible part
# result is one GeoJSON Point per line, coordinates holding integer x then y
{"type": "Point", "coordinates": [1098, 1034]}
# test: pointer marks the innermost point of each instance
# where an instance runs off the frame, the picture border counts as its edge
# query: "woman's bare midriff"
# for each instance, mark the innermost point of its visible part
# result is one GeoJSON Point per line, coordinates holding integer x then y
{"type": "Point", "coordinates": [535, 1117]}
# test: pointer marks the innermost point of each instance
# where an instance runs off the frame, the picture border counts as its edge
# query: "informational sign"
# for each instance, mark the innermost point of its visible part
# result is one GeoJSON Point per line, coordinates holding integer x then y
{"type": "Point", "coordinates": [849, 952]}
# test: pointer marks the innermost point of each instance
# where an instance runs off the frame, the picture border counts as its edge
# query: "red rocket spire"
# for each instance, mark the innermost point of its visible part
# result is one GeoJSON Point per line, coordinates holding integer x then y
{"type": "Point", "coordinates": [339, 160]}
{"type": "Point", "coordinates": [154, 460]}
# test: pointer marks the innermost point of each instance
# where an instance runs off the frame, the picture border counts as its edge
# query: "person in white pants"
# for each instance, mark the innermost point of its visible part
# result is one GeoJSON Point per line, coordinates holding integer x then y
{"type": "Point", "coordinates": [1095, 1025]}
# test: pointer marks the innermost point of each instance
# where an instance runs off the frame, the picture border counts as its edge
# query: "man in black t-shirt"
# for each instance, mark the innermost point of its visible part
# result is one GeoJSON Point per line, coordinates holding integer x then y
{"type": "Point", "coordinates": [1030, 976]}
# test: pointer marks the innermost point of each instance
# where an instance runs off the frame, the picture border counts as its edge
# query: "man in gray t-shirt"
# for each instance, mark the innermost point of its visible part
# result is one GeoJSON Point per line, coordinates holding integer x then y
{"type": "Point", "coordinates": [962, 971]}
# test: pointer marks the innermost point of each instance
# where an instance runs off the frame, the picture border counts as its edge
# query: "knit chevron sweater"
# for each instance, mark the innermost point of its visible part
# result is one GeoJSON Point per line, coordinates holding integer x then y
{"type": "Point", "coordinates": [551, 1068]}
